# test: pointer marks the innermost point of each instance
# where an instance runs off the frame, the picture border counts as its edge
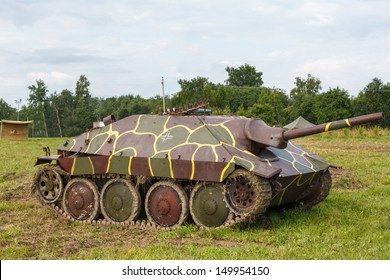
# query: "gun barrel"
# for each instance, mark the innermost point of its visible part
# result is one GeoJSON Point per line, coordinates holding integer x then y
{"type": "Point", "coordinates": [301, 132]}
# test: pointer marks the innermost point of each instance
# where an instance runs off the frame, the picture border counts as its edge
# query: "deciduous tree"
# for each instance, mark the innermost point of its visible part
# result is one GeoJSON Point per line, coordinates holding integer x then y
{"type": "Point", "coordinates": [302, 98]}
{"type": "Point", "coordinates": [332, 105]}
{"type": "Point", "coordinates": [85, 108]}
{"type": "Point", "coordinates": [244, 75]}
{"type": "Point", "coordinates": [375, 97]}
{"type": "Point", "coordinates": [37, 98]}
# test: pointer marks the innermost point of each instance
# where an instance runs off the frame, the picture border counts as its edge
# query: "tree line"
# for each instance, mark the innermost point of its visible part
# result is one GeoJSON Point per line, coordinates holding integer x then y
{"type": "Point", "coordinates": [68, 113]}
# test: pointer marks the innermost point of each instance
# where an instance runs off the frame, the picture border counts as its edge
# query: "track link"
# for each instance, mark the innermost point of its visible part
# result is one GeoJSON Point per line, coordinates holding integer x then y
{"type": "Point", "coordinates": [234, 220]}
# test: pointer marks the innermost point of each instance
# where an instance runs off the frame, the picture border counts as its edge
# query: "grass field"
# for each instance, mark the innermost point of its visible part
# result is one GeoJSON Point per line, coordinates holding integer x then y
{"type": "Point", "coordinates": [352, 223]}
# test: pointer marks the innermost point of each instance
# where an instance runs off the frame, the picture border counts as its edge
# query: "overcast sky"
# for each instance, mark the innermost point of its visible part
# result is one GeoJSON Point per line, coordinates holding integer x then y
{"type": "Point", "coordinates": [126, 47]}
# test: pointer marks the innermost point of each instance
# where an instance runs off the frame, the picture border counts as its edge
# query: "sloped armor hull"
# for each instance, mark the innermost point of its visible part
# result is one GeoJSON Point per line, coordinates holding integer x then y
{"type": "Point", "coordinates": [219, 170]}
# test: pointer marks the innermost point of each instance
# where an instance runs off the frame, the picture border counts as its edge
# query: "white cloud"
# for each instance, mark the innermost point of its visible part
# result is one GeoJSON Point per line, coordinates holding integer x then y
{"type": "Point", "coordinates": [53, 76]}
{"type": "Point", "coordinates": [278, 56]}
{"type": "Point", "coordinates": [325, 66]}
{"type": "Point", "coordinates": [352, 73]}
{"type": "Point", "coordinates": [55, 81]}
{"type": "Point", "coordinates": [230, 63]}
{"type": "Point", "coordinates": [319, 13]}
{"type": "Point", "coordinates": [127, 46]}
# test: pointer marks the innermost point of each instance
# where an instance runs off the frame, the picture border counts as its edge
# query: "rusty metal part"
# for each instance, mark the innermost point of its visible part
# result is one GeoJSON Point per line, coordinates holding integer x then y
{"type": "Point", "coordinates": [120, 201]}
{"type": "Point", "coordinates": [46, 159]}
{"type": "Point", "coordinates": [46, 149]}
{"type": "Point", "coordinates": [166, 204]}
{"type": "Point", "coordinates": [188, 109]}
{"type": "Point", "coordinates": [109, 120]}
{"type": "Point", "coordinates": [207, 207]}
{"type": "Point", "coordinates": [58, 208]}
{"type": "Point", "coordinates": [49, 184]}
{"type": "Point", "coordinates": [81, 199]}
{"type": "Point", "coordinates": [246, 193]}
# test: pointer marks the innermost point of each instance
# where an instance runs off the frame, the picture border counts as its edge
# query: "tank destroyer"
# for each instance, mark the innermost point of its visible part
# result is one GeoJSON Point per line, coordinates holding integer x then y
{"type": "Point", "coordinates": [164, 170]}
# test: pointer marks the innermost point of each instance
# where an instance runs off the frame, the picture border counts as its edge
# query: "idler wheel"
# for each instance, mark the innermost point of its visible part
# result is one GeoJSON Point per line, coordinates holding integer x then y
{"type": "Point", "coordinates": [81, 199]}
{"type": "Point", "coordinates": [120, 201]}
{"type": "Point", "coordinates": [246, 193]}
{"type": "Point", "coordinates": [207, 207]}
{"type": "Point", "coordinates": [49, 184]}
{"type": "Point", "coordinates": [166, 204]}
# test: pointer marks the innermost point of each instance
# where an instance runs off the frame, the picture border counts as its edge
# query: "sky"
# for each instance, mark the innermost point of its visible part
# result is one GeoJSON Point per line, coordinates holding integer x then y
{"type": "Point", "coordinates": [126, 47]}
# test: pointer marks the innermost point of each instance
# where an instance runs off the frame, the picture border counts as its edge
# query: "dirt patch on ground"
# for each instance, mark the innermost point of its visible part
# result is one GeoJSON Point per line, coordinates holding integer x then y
{"type": "Point", "coordinates": [343, 178]}
{"type": "Point", "coordinates": [7, 176]}
{"type": "Point", "coordinates": [21, 194]}
{"type": "Point", "coordinates": [37, 232]}
{"type": "Point", "coordinates": [199, 241]}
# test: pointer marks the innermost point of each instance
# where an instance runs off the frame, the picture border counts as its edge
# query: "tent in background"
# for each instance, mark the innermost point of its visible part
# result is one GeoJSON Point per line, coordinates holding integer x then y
{"type": "Point", "coordinates": [300, 122]}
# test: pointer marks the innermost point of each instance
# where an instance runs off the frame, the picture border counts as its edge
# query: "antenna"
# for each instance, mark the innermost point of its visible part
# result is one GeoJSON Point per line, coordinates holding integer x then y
{"type": "Point", "coordinates": [163, 95]}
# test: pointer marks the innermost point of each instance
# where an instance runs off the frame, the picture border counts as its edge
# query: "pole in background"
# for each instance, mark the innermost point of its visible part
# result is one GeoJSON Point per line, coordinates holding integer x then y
{"type": "Point", "coordinates": [18, 102]}
{"type": "Point", "coordinates": [163, 94]}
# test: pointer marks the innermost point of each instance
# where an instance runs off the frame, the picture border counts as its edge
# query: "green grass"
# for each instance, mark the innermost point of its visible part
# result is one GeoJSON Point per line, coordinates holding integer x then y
{"type": "Point", "coordinates": [349, 224]}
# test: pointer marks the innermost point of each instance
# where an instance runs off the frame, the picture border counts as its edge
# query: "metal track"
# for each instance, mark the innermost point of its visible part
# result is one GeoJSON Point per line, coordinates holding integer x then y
{"type": "Point", "coordinates": [234, 220]}
{"type": "Point", "coordinates": [262, 199]}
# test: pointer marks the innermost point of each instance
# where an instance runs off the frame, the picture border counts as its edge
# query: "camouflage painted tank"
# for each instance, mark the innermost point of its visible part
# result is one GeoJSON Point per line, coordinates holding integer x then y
{"type": "Point", "coordinates": [160, 169]}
